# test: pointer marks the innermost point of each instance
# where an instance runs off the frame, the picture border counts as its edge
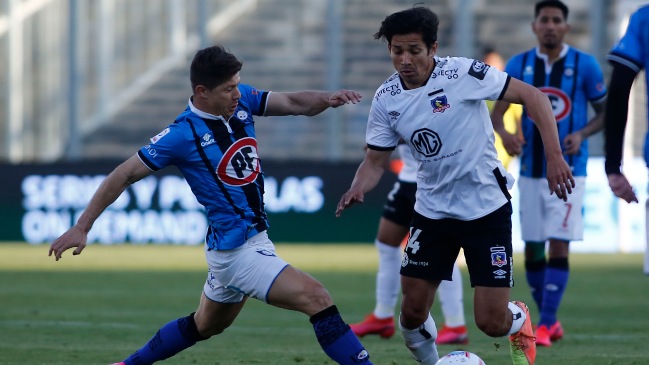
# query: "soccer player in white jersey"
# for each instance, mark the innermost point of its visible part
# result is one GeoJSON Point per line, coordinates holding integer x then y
{"type": "Point", "coordinates": [437, 105]}
{"type": "Point", "coordinates": [393, 228]}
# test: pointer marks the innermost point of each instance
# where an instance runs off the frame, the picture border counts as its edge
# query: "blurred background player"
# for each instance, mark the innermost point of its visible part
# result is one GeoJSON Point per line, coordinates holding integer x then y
{"type": "Point", "coordinates": [462, 198]}
{"type": "Point", "coordinates": [628, 57]}
{"type": "Point", "coordinates": [393, 227]}
{"type": "Point", "coordinates": [571, 79]}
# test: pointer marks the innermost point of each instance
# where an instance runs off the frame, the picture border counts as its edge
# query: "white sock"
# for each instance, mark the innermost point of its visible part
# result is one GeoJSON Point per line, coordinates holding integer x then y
{"type": "Point", "coordinates": [388, 280]}
{"type": "Point", "coordinates": [517, 321]}
{"type": "Point", "coordinates": [450, 297]}
{"type": "Point", "coordinates": [421, 341]}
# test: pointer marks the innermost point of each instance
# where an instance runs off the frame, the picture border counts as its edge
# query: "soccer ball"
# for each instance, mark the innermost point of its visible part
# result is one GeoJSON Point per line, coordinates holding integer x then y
{"type": "Point", "coordinates": [461, 357]}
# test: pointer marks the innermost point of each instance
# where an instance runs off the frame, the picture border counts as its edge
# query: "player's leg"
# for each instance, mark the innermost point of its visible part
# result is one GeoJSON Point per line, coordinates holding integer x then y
{"type": "Point", "coordinates": [381, 320]}
{"type": "Point", "coordinates": [210, 319]}
{"type": "Point", "coordinates": [428, 259]}
{"type": "Point", "coordinates": [532, 215]}
{"type": "Point", "coordinates": [415, 322]}
{"type": "Point", "coordinates": [535, 267]}
{"type": "Point", "coordinates": [393, 227]}
{"type": "Point", "coordinates": [497, 317]}
{"type": "Point", "coordinates": [296, 290]}
{"type": "Point", "coordinates": [452, 303]}
{"type": "Point", "coordinates": [565, 224]}
{"type": "Point", "coordinates": [488, 253]}
{"type": "Point", "coordinates": [556, 279]}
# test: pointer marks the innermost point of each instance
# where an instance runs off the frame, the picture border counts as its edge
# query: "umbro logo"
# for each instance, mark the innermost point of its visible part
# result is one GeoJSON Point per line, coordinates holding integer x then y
{"type": "Point", "coordinates": [394, 115]}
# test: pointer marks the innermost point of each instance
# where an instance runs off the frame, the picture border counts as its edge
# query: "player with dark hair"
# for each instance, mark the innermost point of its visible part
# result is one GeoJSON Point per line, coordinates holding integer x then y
{"type": "Point", "coordinates": [570, 79]}
{"type": "Point", "coordinates": [439, 109]}
{"type": "Point", "coordinates": [393, 228]}
{"type": "Point", "coordinates": [629, 56]}
{"type": "Point", "coordinates": [213, 144]}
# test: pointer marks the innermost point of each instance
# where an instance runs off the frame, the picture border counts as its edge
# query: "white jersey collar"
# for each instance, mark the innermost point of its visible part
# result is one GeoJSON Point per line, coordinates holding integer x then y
{"type": "Point", "coordinates": [203, 114]}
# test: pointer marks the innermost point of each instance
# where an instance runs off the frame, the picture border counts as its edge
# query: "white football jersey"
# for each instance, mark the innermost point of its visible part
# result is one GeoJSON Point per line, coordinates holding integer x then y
{"type": "Point", "coordinates": [447, 126]}
{"type": "Point", "coordinates": [408, 171]}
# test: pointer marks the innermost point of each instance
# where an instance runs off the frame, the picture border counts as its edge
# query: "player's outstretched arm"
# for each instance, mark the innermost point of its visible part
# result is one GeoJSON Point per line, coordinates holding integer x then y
{"type": "Point", "coordinates": [559, 176]}
{"type": "Point", "coordinates": [367, 176]}
{"type": "Point", "coordinates": [309, 103]}
{"type": "Point", "coordinates": [110, 189]}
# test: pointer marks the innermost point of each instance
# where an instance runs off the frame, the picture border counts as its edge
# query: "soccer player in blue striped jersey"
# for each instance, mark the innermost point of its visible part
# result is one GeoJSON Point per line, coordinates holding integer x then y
{"type": "Point", "coordinates": [213, 144]}
{"type": "Point", "coordinates": [571, 79]}
{"type": "Point", "coordinates": [629, 56]}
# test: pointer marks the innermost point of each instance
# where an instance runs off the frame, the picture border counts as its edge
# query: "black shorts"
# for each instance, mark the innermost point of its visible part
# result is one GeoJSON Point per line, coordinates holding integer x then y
{"type": "Point", "coordinates": [434, 244]}
{"type": "Point", "coordinates": [401, 203]}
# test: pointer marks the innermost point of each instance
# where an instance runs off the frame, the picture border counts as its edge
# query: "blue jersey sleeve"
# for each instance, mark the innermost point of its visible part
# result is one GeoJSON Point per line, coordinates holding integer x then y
{"type": "Point", "coordinates": [594, 85]}
{"type": "Point", "coordinates": [166, 148]}
{"type": "Point", "coordinates": [631, 50]}
{"type": "Point", "coordinates": [255, 99]}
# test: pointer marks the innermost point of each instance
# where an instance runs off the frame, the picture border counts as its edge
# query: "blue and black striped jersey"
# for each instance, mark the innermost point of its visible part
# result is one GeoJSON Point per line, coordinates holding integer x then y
{"type": "Point", "coordinates": [570, 83]}
{"type": "Point", "coordinates": [219, 160]}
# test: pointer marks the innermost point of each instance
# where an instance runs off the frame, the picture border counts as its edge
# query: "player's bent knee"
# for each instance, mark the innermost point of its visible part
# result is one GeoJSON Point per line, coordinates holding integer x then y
{"type": "Point", "coordinates": [318, 296]}
{"type": "Point", "coordinates": [491, 327]}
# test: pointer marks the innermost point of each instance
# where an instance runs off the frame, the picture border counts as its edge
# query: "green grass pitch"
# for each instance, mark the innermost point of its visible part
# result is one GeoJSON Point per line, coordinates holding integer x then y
{"type": "Point", "coordinates": [99, 307]}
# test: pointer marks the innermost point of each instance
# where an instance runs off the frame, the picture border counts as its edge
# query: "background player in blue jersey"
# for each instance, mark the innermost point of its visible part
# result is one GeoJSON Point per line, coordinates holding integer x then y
{"type": "Point", "coordinates": [571, 79]}
{"type": "Point", "coordinates": [628, 57]}
{"type": "Point", "coordinates": [213, 144]}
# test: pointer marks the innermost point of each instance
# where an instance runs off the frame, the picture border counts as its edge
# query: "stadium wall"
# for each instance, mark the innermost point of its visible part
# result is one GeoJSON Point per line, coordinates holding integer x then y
{"type": "Point", "coordinates": [41, 201]}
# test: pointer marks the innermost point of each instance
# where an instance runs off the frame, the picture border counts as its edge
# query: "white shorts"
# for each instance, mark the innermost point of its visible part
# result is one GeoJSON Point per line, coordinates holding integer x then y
{"type": "Point", "coordinates": [544, 216]}
{"type": "Point", "coordinates": [248, 270]}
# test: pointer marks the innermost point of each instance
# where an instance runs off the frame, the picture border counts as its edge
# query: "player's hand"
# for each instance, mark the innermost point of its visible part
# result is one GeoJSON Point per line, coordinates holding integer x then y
{"type": "Point", "coordinates": [621, 187]}
{"type": "Point", "coordinates": [572, 143]}
{"type": "Point", "coordinates": [513, 144]}
{"type": "Point", "coordinates": [347, 200]}
{"type": "Point", "coordinates": [560, 180]}
{"type": "Point", "coordinates": [74, 237]}
{"type": "Point", "coordinates": [342, 97]}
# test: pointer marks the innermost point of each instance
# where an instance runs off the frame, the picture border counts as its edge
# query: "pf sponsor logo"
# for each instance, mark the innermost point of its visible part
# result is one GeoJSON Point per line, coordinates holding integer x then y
{"type": "Point", "coordinates": [240, 163]}
{"type": "Point", "coordinates": [426, 142]}
{"type": "Point", "coordinates": [561, 104]}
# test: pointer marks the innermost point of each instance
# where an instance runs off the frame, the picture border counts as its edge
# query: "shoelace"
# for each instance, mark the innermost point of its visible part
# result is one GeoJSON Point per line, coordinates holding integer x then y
{"type": "Point", "coordinates": [518, 340]}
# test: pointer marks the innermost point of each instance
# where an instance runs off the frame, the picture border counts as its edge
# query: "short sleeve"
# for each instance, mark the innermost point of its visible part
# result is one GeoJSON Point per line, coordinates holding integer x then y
{"type": "Point", "coordinates": [482, 82]}
{"type": "Point", "coordinates": [630, 50]}
{"type": "Point", "coordinates": [165, 148]}
{"type": "Point", "coordinates": [255, 99]}
{"type": "Point", "coordinates": [595, 87]}
{"type": "Point", "coordinates": [379, 134]}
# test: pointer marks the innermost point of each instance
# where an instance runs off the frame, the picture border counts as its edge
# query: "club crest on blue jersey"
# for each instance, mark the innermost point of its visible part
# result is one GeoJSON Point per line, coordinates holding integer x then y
{"type": "Point", "coordinates": [440, 104]}
{"type": "Point", "coordinates": [240, 163]}
{"type": "Point", "coordinates": [242, 115]}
